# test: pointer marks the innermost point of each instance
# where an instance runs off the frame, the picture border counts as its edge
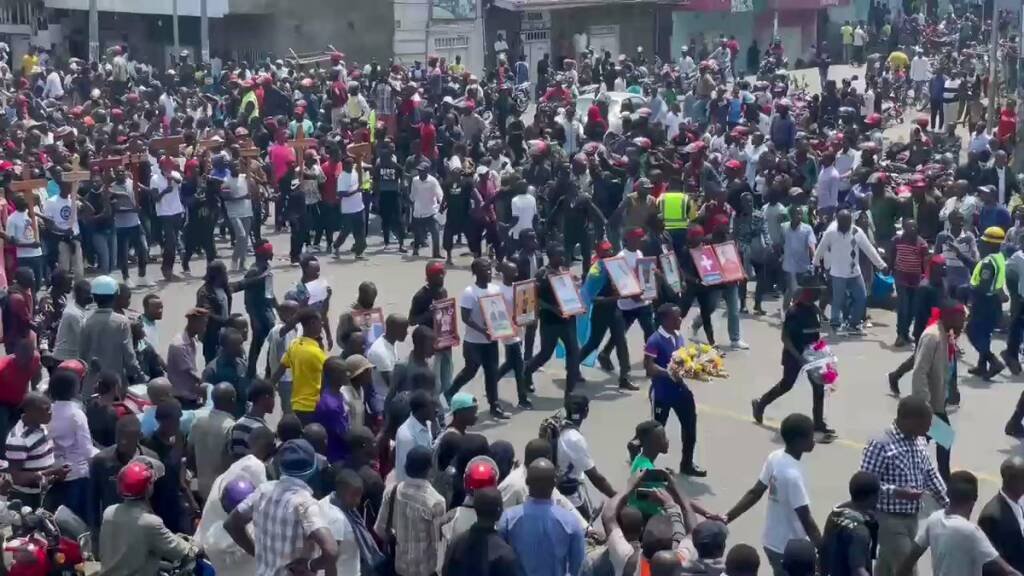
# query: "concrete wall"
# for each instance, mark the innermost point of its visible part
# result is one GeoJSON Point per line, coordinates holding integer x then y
{"type": "Point", "coordinates": [711, 25]}
{"type": "Point", "coordinates": [214, 8]}
{"type": "Point", "coordinates": [416, 35]}
{"type": "Point", "coordinates": [636, 27]}
{"type": "Point", "coordinates": [364, 29]}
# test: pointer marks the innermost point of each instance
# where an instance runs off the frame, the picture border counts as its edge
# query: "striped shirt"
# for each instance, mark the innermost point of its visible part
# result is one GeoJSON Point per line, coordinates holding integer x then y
{"type": "Point", "coordinates": [909, 264]}
{"type": "Point", "coordinates": [33, 448]}
{"type": "Point", "coordinates": [240, 434]}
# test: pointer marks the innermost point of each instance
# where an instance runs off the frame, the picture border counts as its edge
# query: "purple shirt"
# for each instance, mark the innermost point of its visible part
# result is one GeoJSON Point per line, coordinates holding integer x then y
{"type": "Point", "coordinates": [330, 413]}
{"type": "Point", "coordinates": [660, 347]}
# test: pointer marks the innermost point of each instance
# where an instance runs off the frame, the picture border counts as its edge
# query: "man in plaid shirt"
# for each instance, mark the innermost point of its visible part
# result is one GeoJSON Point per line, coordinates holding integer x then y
{"type": "Point", "coordinates": [900, 460]}
{"type": "Point", "coordinates": [286, 519]}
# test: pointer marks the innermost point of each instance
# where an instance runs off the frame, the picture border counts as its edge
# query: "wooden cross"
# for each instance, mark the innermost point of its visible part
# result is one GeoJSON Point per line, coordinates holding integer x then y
{"type": "Point", "coordinates": [202, 145]}
{"type": "Point", "coordinates": [169, 145]}
{"type": "Point", "coordinates": [134, 161]}
{"type": "Point", "coordinates": [249, 152]}
{"type": "Point", "coordinates": [300, 143]}
{"type": "Point", "coordinates": [27, 188]}
{"type": "Point", "coordinates": [74, 179]}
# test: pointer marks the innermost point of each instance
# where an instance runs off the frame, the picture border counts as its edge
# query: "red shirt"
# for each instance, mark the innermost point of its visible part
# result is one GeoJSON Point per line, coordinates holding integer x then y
{"type": "Point", "coordinates": [329, 189]}
{"type": "Point", "coordinates": [17, 316]}
{"type": "Point", "coordinates": [428, 140]}
{"type": "Point", "coordinates": [910, 263]}
{"type": "Point", "coordinates": [15, 379]}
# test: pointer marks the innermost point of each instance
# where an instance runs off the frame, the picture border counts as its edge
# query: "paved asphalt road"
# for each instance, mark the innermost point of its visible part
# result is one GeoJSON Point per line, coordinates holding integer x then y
{"type": "Point", "coordinates": [730, 445]}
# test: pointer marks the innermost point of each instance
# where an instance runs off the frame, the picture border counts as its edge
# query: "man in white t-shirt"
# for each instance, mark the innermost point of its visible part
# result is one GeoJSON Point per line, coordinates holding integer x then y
{"type": "Point", "coordinates": [168, 104]}
{"type": "Point", "coordinates": [334, 508]}
{"type": "Point", "coordinates": [23, 235]}
{"type": "Point", "coordinates": [350, 183]}
{"type": "Point", "coordinates": [959, 547]}
{"type": "Point", "coordinates": [61, 216]}
{"type": "Point", "coordinates": [524, 210]}
{"type": "Point", "coordinates": [238, 208]}
{"type": "Point", "coordinates": [478, 348]}
{"type": "Point", "coordinates": [788, 514]}
{"type": "Point", "coordinates": [573, 457]}
{"type": "Point", "coordinates": [383, 354]}
{"type": "Point", "coordinates": [426, 195]}
{"type": "Point", "coordinates": [635, 308]}
{"type": "Point", "coordinates": [166, 190]}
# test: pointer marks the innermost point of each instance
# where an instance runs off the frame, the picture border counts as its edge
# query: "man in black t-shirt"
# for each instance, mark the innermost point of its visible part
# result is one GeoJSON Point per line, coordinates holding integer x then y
{"type": "Point", "coordinates": [800, 328]}
{"type": "Point", "coordinates": [850, 537]}
{"type": "Point", "coordinates": [554, 326]}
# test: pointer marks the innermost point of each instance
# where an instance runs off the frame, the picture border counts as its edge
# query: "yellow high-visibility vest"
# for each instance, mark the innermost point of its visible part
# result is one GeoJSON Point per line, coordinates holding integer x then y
{"type": "Point", "coordinates": [675, 210]}
{"type": "Point", "coordinates": [999, 262]}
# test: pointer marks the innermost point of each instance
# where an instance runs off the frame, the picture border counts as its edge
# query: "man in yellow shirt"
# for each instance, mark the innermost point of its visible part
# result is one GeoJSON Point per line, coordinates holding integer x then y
{"type": "Point", "coordinates": [847, 33]}
{"type": "Point", "coordinates": [305, 357]}
{"type": "Point", "coordinates": [29, 61]}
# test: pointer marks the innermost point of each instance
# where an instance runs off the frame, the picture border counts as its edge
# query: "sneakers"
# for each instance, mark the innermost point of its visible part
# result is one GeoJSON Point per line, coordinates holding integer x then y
{"type": "Point", "coordinates": [129, 283]}
{"type": "Point", "coordinates": [693, 470]}
{"type": "Point", "coordinates": [144, 282]}
{"type": "Point", "coordinates": [855, 331]}
{"type": "Point", "coordinates": [739, 345]}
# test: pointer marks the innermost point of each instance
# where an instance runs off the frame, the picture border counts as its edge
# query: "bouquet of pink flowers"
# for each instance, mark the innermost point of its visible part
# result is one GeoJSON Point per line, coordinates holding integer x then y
{"type": "Point", "coordinates": [821, 364]}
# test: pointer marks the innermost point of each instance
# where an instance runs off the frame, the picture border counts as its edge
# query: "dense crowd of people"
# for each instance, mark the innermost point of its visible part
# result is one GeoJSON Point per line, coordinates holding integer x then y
{"type": "Point", "coordinates": [376, 465]}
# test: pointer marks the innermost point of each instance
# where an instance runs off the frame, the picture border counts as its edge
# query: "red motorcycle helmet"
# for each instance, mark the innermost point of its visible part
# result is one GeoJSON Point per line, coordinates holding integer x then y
{"type": "Point", "coordinates": [873, 120]}
{"type": "Point", "coordinates": [481, 472]}
{"type": "Point", "coordinates": [134, 480]}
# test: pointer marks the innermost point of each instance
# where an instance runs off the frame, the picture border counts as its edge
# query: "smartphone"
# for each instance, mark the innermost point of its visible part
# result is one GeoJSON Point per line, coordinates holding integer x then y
{"type": "Point", "coordinates": [645, 494]}
{"type": "Point", "coordinates": [655, 475]}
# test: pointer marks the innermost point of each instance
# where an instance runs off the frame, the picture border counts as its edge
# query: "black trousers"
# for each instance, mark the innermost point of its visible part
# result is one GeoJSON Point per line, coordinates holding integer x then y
{"type": "Point", "coordinates": [260, 330]}
{"type": "Point", "coordinates": [685, 408]}
{"type": "Point", "coordinates": [198, 237]}
{"type": "Point", "coordinates": [514, 362]}
{"type": "Point", "coordinates": [790, 373]}
{"type": "Point", "coordinates": [605, 318]}
{"type": "Point", "coordinates": [642, 315]}
{"type": "Point", "coordinates": [550, 334]}
{"type": "Point", "coordinates": [313, 222]}
{"type": "Point", "coordinates": [298, 235]}
{"type": "Point", "coordinates": [703, 298]}
{"type": "Point", "coordinates": [937, 112]}
{"type": "Point", "coordinates": [478, 356]}
{"type": "Point", "coordinates": [390, 217]}
{"type": "Point", "coordinates": [942, 453]}
{"type": "Point", "coordinates": [583, 240]}
{"type": "Point", "coordinates": [171, 226]}
{"type": "Point", "coordinates": [529, 338]}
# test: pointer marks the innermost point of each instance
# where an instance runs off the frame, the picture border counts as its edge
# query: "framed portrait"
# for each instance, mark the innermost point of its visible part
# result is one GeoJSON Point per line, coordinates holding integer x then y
{"type": "Point", "coordinates": [567, 294]}
{"type": "Point", "coordinates": [646, 271]}
{"type": "Point", "coordinates": [707, 265]}
{"type": "Point", "coordinates": [670, 268]}
{"type": "Point", "coordinates": [446, 324]}
{"type": "Point", "coordinates": [497, 317]}
{"type": "Point", "coordinates": [524, 299]}
{"type": "Point", "coordinates": [622, 277]}
{"type": "Point", "coordinates": [729, 261]}
{"type": "Point", "coordinates": [371, 322]}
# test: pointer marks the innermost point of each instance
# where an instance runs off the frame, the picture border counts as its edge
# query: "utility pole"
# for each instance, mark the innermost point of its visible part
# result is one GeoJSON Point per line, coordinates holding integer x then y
{"type": "Point", "coordinates": [174, 26]}
{"type": "Point", "coordinates": [993, 72]}
{"type": "Point", "coordinates": [94, 31]}
{"type": "Point", "coordinates": [204, 33]}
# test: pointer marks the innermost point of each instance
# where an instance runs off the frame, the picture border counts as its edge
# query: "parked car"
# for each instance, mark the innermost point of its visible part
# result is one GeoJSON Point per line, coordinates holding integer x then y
{"type": "Point", "coordinates": [613, 101]}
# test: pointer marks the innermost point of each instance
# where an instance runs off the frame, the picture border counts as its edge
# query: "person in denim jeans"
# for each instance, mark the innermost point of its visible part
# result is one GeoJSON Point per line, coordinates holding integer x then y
{"type": "Point", "coordinates": [100, 222]}
{"type": "Point", "coordinates": [128, 227]}
{"type": "Point", "coordinates": [843, 244]}
{"type": "Point", "coordinates": [238, 207]}
{"type": "Point", "coordinates": [513, 346]}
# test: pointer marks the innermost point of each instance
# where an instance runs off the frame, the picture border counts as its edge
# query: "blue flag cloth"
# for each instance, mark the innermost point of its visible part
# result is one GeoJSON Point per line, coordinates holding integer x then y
{"type": "Point", "coordinates": [596, 278]}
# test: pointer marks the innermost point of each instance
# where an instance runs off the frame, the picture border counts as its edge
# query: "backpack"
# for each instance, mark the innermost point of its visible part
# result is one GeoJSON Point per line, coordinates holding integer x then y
{"type": "Point", "coordinates": [551, 429]}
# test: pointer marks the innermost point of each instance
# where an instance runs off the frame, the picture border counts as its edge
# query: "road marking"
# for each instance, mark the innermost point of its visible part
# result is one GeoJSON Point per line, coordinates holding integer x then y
{"type": "Point", "coordinates": [851, 444]}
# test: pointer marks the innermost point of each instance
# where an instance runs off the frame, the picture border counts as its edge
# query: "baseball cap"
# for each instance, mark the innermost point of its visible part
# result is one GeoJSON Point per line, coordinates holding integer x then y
{"type": "Point", "coordinates": [297, 457]}
{"type": "Point", "coordinates": [462, 401]}
{"type": "Point", "coordinates": [103, 286]}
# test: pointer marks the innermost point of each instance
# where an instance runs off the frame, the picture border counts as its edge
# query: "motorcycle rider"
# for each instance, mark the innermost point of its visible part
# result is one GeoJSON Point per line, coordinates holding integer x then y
{"type": "Point", "coordinates": [134, 540]}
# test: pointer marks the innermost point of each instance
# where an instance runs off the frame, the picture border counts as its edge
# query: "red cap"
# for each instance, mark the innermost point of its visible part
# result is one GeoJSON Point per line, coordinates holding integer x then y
{"type": "Point", "coordinates": [733, 164]}
{"type": "Point", "coordinates": [134, 479]}
{"type": "Point", "coordinates": [132, 98]}
{"type": "Point", "coordinates": [117, 113]}
{"type": "Point", "coordinates": [635, 233]}
{"type": "Point", "coordinates": [266, 250]}
{"type": "Point", "coordinates": [469, 105]}
{"type": "Point", "coordinates": [76, 366]}
{"type": "Point", "coordinates": [434, 268]}
{"type": "Point", "coordinates": [336, 57]}
{"type": "Point", "coordinates": [873, 120]}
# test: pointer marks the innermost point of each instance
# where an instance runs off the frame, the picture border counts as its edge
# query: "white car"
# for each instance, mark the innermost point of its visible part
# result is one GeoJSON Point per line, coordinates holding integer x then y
{"type": "Point", "coordinates": [614, 100]}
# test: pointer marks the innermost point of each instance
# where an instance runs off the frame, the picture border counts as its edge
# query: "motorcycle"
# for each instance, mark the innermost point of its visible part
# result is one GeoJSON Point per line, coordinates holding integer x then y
{"type": "Point", "coordinates": [521, 97]}
{"type": "Point", "coordinates": [46, 544]}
